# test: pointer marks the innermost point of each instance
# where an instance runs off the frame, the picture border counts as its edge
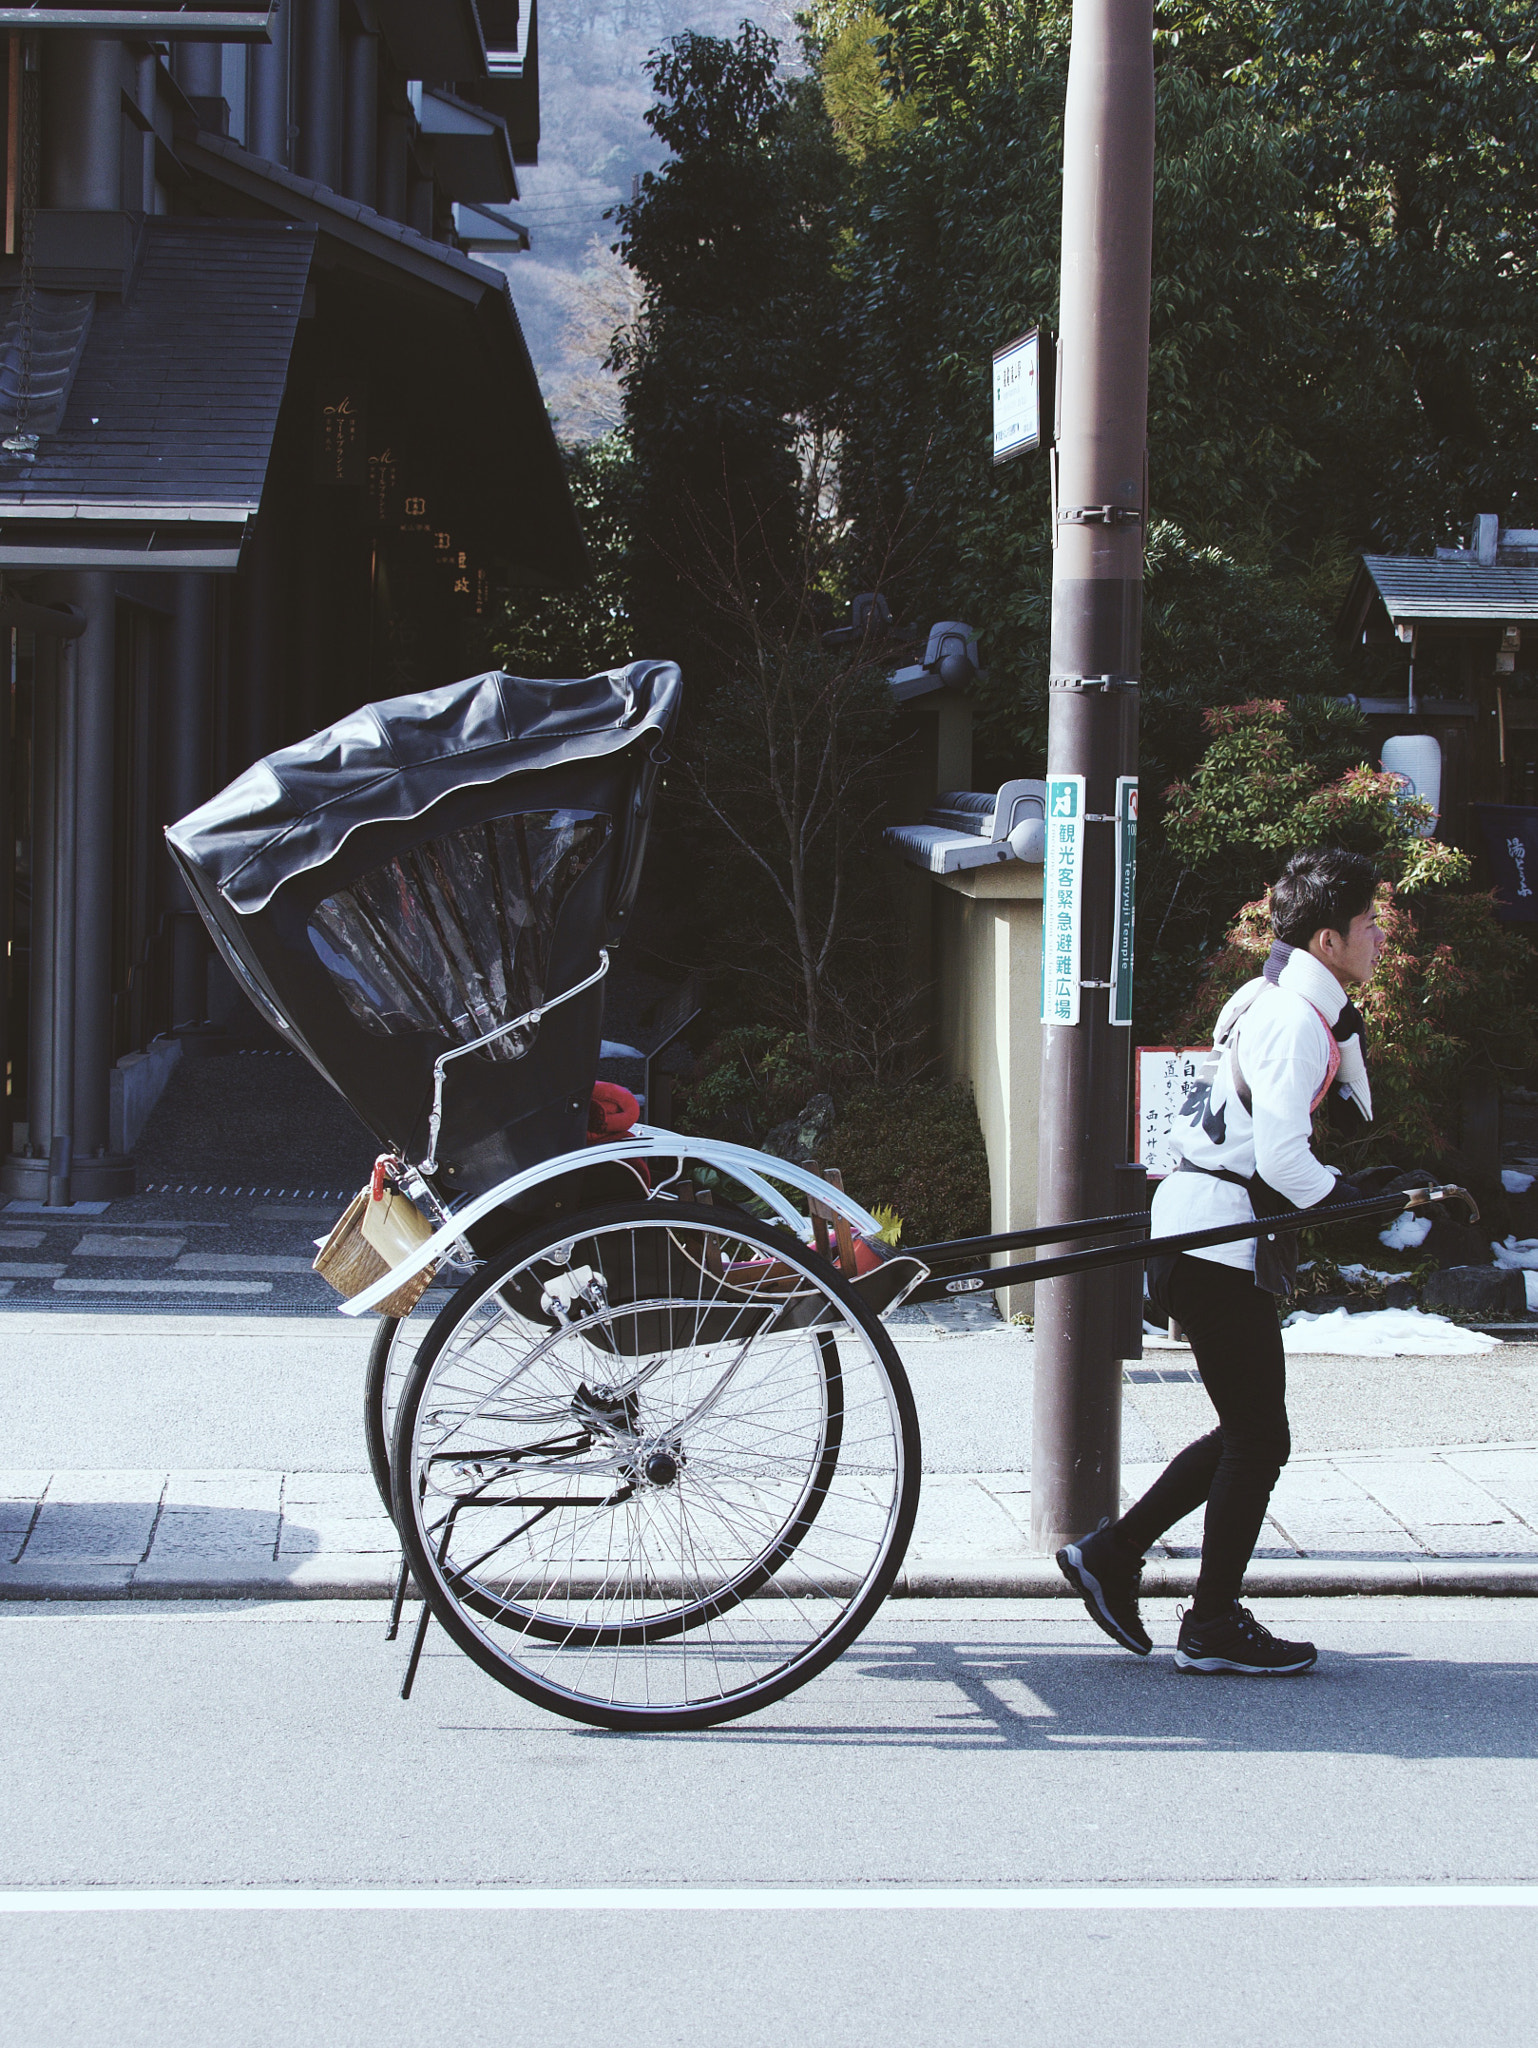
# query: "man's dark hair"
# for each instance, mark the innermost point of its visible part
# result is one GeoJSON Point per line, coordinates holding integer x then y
{"type": "Point", "coordinates": [1321, 890]}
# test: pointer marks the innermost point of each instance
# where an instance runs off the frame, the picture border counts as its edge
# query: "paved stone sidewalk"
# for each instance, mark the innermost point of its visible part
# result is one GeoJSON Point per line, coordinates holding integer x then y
{"type": "Point", "coordinates": [1460, 1518]}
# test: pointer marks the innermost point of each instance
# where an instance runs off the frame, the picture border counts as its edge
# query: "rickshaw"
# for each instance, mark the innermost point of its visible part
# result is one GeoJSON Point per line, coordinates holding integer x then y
{"type": "Point", "coordinates": [654, 1462]}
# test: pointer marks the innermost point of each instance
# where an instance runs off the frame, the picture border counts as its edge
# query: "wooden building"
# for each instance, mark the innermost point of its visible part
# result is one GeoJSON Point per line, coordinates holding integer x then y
{"type": "Point", "coordinates": [1457, 632]}
{"type": "Point", "coordinates": [270, 440]}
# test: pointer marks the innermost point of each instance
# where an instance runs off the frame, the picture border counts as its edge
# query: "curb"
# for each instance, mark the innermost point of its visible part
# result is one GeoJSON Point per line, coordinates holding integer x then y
{"type": "Point", "coordinates": [933, 1579]}
{"type": "Point", "coordinates": [313, 1578]}
{"type": "Point", "coordinates": [1319, 1578]}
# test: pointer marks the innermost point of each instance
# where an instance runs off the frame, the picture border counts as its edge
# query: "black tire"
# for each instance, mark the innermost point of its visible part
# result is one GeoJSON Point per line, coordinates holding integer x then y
{"type": "Point", "coordinates": [711, 1516]}
{"type": "Point", "coordinates": [377, 1407]}
{"type": "Point", "coordinates": [389, 1367]}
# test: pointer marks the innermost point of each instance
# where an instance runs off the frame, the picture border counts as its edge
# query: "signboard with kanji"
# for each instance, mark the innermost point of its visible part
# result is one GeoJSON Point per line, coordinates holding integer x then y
{"type": "Point", "coordinates": [1062, 899]}
{"type": "Point", "coordinates": [1126, 899]}
{"type": "Point", "coordinates": [1017, 397]}
{"type": "Point", "coordinates": [1164, 1074]}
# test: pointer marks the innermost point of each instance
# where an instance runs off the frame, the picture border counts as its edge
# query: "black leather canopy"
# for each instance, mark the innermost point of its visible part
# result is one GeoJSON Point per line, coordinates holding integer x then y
{"type": "Point", "coordinates": [427, 870]}
{"type": "Point", "coordinates": [395, 760]}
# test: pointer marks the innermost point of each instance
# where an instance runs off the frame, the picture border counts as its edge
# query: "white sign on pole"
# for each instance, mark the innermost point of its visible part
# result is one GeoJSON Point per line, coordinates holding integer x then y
{"type": "Point", "coordinates": [1164, 1074]}
{"type": "Point", "coordinates": [1017, 393]}
{"type": "Point", "coordinates": [1062, 899]}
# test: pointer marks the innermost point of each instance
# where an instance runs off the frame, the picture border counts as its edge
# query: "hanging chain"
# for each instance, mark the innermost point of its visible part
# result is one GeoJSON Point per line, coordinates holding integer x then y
{"type": "Point", "coordinates": [22, 445]}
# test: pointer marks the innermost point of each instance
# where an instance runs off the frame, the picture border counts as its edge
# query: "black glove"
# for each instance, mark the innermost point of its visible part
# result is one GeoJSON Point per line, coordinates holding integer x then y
{"type": "Point", "coordinates": [1378, 1180]}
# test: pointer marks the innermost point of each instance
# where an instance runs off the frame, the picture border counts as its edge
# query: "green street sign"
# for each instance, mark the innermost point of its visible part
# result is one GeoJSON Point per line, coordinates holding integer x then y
{"type": "Point", "coordinates": [1062, 899]}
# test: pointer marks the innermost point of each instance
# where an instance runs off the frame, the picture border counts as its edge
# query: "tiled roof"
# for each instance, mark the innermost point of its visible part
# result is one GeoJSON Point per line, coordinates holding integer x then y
{"type": "Point", "coordinates": [176, 397]}
{"type": "Point", "coordinates": [254, 177]}
{"type": "Point", "coordinates": [60, 323]}
{"type": "Point", "coordinates": [1426, 587]}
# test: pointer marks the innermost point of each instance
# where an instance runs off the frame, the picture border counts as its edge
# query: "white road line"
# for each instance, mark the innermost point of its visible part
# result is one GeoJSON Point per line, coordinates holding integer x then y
{"type": "Point", "coordinates": [242, 1262]}
{"type": "Point", "coordinates": [1319, 1898]}
{"type": "Point", "coordinates": [162, 1286]}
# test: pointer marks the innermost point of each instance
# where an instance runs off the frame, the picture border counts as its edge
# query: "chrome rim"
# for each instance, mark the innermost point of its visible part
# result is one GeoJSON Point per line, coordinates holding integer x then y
{"type": "Point", "coordinates": [656, 1466]}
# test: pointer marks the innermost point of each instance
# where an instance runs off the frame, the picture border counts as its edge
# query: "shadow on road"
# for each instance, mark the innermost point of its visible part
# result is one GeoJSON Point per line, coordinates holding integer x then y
{"type": "Point", "coordinates": [1370, 1704]}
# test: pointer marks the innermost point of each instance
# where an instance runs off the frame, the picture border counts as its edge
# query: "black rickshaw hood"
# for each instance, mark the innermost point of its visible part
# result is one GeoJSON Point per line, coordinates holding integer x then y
{"type": "Point", "coordinates": [423, 873]}
{"type": "Point", "coordinates": [394, 760]}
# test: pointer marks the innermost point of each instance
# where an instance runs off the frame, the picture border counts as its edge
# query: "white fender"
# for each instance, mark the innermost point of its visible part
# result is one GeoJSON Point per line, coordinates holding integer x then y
{"type": "Point", "coordinates": [752, 1170]}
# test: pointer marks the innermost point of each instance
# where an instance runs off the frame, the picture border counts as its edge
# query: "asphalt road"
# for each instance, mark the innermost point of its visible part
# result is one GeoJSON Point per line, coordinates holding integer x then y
{"type": "Point", "coordinates": [985, 1745]}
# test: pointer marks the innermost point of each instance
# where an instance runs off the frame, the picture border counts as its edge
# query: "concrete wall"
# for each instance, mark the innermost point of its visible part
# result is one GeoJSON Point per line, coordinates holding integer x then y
{"type": "Point", "coordinates": [138, 1082]}
{"type": "Point", "coordinates": [986, 939]}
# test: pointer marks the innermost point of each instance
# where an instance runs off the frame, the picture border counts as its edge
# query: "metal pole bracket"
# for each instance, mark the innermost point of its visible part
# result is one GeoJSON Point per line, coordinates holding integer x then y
{"type": "Point", "coordinates": [1099, 515]}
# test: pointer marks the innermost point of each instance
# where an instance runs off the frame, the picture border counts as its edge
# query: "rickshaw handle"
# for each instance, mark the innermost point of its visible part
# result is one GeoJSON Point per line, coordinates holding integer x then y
{"type": "Point", "coordinates": [989, 1277]}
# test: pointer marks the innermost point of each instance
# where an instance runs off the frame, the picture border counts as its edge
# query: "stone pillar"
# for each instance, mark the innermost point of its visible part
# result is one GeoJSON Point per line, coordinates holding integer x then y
{"type": "Point", "coordinates": [318, 98]}
{"type": "Point", "coordinates": [199, 70]}
{"type": "Point", "coordinates": [95, 716]}
{"type": "Point", "coordinates": [267, 72]}
{"type": "Point", "coordinates": [186, 736]}
{"type": "Point", "coordinates": [987, 973]}
{"type": "Point", "coordinates": [360, 154]}
{"type": "Point", "coordinates": [45, 700]}
{"type": "Point", "coordinates": [82, 142]}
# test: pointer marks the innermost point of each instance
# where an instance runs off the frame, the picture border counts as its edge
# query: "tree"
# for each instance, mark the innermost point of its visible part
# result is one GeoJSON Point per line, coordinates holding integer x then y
{"type": "Point", "coordinates": [578, 632]}
{"type": "Point", "coordinates": [1454, 989]}
{"type": "Point", "coordinates": [724, 371]}
{"type": "Point", "coordinates": [1413, 127]}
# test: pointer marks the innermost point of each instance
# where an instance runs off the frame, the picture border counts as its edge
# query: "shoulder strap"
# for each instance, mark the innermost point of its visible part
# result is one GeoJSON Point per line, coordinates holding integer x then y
{"type": "Point", "coordinates": [1230, 1040]}
{"type": "Point", "coordinates": [1242, 1087]}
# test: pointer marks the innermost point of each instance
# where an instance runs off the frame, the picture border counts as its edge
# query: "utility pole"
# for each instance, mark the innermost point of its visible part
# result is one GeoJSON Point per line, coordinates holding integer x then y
{"type": "Point", "coordinates": [1099, 514]}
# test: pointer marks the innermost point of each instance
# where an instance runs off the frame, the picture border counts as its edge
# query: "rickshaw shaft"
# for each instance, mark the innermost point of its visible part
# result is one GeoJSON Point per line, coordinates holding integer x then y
{"type": "Point", "coordinates": [988, 1278]}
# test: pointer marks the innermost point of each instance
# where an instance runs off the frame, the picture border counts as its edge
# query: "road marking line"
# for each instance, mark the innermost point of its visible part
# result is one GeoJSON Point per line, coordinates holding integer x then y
{"type": "Point", "coordinates": [769, 1899]}
{"type": "Point", "coordinates": [167, 1286]}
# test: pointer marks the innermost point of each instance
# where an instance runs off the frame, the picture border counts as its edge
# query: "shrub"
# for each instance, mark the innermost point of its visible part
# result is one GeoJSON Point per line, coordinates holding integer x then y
{"type": "Point", "coordinates": [917, 1148]}
{"type": "Point", "coordinates": [1454, 988]}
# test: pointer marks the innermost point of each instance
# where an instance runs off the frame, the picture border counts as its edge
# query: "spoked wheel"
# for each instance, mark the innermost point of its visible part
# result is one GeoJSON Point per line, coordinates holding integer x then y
{"type": "Point", "coordinates": [659, 1472]}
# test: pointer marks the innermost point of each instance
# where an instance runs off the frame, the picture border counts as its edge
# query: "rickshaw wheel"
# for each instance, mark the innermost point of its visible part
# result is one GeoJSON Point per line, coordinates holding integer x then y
{"type": "Point", "coordinates": [389, 1366]}
{"type": "Point", "coordinates": [655, 1467]}
{"type": "Point", "coordinates": [381, 1395]}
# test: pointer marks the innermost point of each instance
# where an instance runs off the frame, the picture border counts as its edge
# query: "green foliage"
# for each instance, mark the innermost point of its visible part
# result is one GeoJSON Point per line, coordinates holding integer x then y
{"type": "Point", "coordinates": [789, 763]}
{"type": "Point", "coordinates": [578, 632]}
{"type": "Point", "coordinates": [920, 1152]}
{"type": "Point", "coordinates": [916, 1149]}
{"type": "Point", "coordinates": [731, 241]}
{"type": "Point", "coordinates": [1257, 795]}
{"type": "Point", "coordinates": [1413, 128]}
{"type": "Point", "coordinates": [1345, 300]}
{"type": "Point", "coordinates": [1453, 988]}
{"type": "Point", "coordinates": [747, 1080]}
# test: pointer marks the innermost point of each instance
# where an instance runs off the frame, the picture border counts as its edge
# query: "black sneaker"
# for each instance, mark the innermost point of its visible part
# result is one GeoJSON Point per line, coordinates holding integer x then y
{"type": "Point", "coordinates": [1236, 1642]}
{"type": "Point", "coordinates": [1108, 1581]}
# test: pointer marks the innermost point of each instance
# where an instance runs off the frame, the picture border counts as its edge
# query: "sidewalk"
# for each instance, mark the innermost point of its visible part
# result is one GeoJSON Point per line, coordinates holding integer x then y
{"type": "Point", "coordinates": [221, 1456]}
{"type": "Point", "coordinates": [1459, 1519]}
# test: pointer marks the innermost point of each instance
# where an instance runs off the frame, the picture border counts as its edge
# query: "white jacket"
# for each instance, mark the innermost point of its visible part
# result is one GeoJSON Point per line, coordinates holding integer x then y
{"type": "Point", "coordinates": [1284, 1043]}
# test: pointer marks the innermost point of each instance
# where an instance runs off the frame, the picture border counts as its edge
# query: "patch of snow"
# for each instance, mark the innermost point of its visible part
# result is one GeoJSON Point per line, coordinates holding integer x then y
{"type": "Point", "coordinates": [1515, 1183]}
{"type": "Point", "coordinates": [1516, 1252]}
{"type": "Point", "coordinates": [1382, 1333]}
{"type": "Point", "coordinates": [1359, 1275]}
{"type": "Point", "coordinates": [1405, 1232]}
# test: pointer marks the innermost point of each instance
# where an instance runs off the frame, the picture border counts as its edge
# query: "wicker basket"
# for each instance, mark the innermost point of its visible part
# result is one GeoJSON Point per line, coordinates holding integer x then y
{"type": "Point", "coordinates": [349, 1263]}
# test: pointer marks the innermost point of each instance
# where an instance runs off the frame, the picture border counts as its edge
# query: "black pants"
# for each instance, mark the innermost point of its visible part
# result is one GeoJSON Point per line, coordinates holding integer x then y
{"type": "Point", "coordinates": [1234, 1332]}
